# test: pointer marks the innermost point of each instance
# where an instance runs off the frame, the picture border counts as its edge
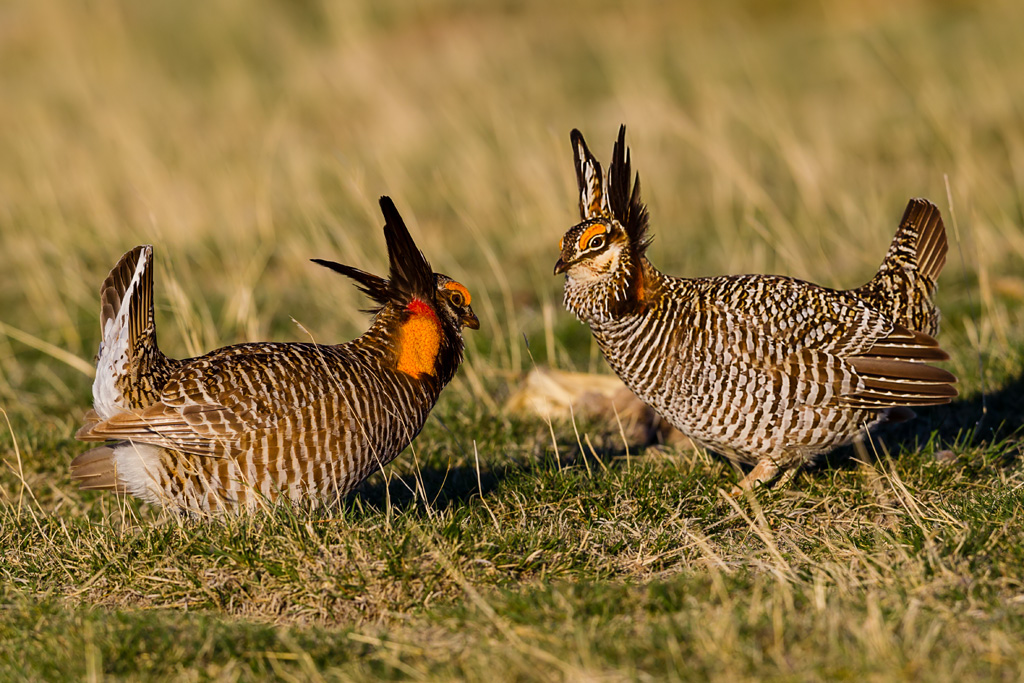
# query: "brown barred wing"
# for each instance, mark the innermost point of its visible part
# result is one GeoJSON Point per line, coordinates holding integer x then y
{"type": "Point", "coordinates": [782, 315]}
{"type": "Point", "coordinates": [766, 374]}
{"type": "Point", "coordinates": [822, 348]}
{"type": "Point", "coordinates": [208, 405]}
{"type": "Point", "coordinates": [749, 393]}
{"type": "Point", "coordinates": [200, 429]}
{"type": "Point", "coordinates": [895, 372]}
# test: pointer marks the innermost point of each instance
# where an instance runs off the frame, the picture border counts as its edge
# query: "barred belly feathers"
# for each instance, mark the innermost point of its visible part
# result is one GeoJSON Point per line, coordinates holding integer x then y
{"type": "Point", "coordinates": [259, 422]}
{"type": "Point", "coordinates": [769, 371]}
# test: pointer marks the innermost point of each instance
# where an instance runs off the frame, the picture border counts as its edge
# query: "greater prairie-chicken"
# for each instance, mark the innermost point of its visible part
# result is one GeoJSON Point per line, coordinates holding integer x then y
{"type": "Point", "coordinates": [267, 421]}
{"type": "Point", "coordinates": [767, 370]}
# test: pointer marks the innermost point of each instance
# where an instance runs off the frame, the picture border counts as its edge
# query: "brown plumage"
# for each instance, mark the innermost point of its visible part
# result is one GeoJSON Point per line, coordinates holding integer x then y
{"type": "Point", "coordinates": [262, 421]}
{"type": "Point", "coordinates": [767, 370]}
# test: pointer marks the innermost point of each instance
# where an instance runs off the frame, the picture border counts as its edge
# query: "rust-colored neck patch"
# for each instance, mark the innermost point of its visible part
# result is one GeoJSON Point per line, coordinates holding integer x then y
{"type": "Point", "coordinates": [641, 291]}
{"type": "Point", "coordinates": [419, 340]}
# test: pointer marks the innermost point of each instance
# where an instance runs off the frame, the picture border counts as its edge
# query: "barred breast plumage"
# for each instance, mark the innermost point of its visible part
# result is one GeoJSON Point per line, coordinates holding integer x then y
{"type": "Point", "coordinates": [262, 421]}
{"type": "Point", "coordinates": [767, 370]}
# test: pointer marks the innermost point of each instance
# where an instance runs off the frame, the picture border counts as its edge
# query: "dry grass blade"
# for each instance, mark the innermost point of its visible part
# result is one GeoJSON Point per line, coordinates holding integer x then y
{"type": "Point", "coordinates": [55, 352]}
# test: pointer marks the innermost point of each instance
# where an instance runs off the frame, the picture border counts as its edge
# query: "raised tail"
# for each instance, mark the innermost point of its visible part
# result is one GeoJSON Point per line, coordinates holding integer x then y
{"type": "Point", "coordinates": [905, 283]}
{"type": "Point", "coordinates": [130, 369]}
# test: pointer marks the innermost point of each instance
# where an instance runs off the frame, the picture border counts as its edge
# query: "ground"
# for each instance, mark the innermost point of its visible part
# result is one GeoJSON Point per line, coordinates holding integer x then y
{"type": "Point", "coordinates": [243, 139]}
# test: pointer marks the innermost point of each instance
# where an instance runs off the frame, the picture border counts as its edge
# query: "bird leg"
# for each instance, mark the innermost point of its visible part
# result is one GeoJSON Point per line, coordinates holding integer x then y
{"type": "Point", "coordinates": [764, 471]}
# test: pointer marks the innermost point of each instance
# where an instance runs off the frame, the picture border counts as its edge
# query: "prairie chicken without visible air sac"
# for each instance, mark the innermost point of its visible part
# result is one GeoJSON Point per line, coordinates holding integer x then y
{"type": "Point", "coordinates": [268, 421]}
{"type": "Point", "coordinates": [767, 370]}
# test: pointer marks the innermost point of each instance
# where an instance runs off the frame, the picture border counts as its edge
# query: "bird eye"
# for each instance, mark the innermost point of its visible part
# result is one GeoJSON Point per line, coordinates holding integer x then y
{"type": "Point", "coordinates": [457, 299]}
{"type": "Point", "coordinates": [596, 242]}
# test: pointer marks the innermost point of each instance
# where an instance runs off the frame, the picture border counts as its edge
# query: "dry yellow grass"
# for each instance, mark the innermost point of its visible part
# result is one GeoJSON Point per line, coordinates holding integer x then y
{"type": "Point", "coordinates": [242, 139]}
{"type": "Point", "coordinates": [243, 142]}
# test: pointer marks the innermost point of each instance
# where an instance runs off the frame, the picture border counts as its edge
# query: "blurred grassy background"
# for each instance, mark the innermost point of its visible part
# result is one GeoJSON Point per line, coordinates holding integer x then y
{"type": "Point", "coordinates": [243, 138]}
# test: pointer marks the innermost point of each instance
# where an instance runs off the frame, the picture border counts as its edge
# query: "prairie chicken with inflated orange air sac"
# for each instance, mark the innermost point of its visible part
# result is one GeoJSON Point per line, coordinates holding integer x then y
{"type": "Point", "coordinates": [266, 421]}
{"type": "Point", "coordinates": [769, 371]}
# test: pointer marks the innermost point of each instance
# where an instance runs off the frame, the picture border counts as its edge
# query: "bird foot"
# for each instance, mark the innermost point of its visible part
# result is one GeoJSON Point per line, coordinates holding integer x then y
{"type": "Point", "coordinates": [762, 474]}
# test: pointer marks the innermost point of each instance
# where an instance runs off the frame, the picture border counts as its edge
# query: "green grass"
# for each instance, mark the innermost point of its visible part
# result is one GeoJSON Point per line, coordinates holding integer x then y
{"type": "Point", "coordinates": [243, 139]}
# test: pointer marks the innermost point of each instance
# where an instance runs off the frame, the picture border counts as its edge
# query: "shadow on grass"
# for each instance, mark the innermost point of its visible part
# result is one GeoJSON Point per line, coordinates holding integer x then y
{"type": "Point", "coordinates": [978, 421]}
{"type": "Point", "coordinates": [442, 488]}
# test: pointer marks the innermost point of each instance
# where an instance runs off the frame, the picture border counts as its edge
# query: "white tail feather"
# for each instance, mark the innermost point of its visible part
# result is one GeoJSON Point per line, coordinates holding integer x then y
{"type": "Point", "coordinates": [114, 351]}
{"type": "Point", "coordinates": [137, 466]}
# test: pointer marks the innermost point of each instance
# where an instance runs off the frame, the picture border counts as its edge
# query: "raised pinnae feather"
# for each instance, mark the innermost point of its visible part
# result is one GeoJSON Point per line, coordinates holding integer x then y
{"type": "Point", "coordinates": [626, 205]}
{"type": "Point", "coordinates": [589, 180]}
{"type": "Point", "coordinates": [374, 286]}
{"type": "Point", "coordinates": [411, 275]}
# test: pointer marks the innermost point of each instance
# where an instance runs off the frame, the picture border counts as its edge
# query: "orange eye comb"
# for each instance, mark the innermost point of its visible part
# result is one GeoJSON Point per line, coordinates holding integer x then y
{"type": "Point", "coordinates": [593, 230]}
{"type": "Point", "coordinates": [458, 287]}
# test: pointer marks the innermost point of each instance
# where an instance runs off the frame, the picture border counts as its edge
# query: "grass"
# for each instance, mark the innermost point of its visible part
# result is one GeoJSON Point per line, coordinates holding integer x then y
{"type": "Point", "coordinates": [243, 140]}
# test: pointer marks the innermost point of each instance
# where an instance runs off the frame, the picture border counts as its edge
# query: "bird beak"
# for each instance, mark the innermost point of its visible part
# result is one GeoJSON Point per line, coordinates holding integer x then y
{"type": "Point", "coordinates": [561, 266]}
{"type": "Point", "coordinates": [471, 321]}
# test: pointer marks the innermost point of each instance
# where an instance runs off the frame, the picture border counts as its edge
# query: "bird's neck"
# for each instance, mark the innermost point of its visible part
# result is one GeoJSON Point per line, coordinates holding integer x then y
{"type": "Point", "coordinates": [627, 291]}
{"type": "Point", "coordinates": [417, 343]}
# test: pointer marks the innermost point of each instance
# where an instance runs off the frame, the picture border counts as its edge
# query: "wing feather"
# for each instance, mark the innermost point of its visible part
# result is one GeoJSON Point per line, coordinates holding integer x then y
{"type": "Point", "coordinates": [838, 352]}
{"type": "Point", "coordinates": [210, 406]}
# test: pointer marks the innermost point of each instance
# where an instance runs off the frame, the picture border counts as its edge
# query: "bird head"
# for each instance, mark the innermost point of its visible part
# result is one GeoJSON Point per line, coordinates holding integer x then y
{"type": "Point", "coordinates": [454, 302]}
{"type": "Point", "coordinates": [423, 312]}
{"type": "Point", "coordinates": [602, 256]}
{"type": "Point", "coordinates": [592, 250]}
